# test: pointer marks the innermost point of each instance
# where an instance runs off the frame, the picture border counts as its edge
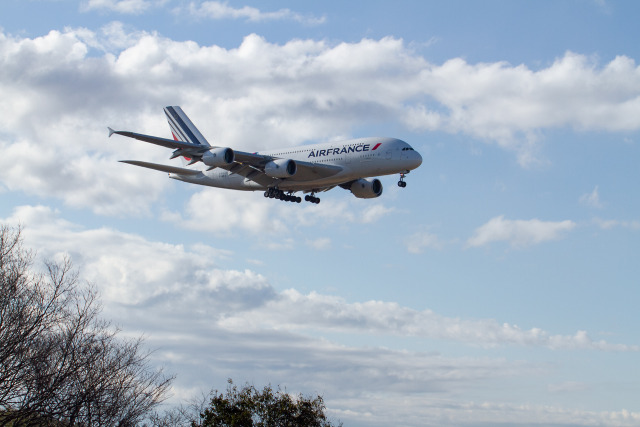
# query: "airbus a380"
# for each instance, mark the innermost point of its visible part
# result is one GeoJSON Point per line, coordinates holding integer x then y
{"type": "Point", "coordinates": [311, 169]}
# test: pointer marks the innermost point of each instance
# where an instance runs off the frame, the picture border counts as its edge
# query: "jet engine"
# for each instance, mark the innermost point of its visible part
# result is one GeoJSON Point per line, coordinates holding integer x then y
{"type": "Point", "coordinates": [281, 168]}
{"type": "Point", "coordinates": [366, 189]}
{"type": "Point", "coordinates": [218, 157]}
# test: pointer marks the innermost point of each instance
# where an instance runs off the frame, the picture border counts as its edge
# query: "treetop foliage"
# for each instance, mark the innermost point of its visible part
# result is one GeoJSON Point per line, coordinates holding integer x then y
{"type": "Point", "coordinates": [249, 407]}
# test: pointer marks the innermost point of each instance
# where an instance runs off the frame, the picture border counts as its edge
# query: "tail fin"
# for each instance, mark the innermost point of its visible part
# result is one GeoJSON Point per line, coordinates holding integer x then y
{"type": "Point", "coordinates": [182, 128]}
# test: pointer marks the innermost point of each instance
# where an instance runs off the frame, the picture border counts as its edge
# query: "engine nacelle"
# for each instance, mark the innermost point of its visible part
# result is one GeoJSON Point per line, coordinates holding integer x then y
{"type": "Point", "coordinates": [216, 157]}
{"type": "Point", "coordinates": [366, 189]}
{"type": "Point", "coordinates": [281, 168]}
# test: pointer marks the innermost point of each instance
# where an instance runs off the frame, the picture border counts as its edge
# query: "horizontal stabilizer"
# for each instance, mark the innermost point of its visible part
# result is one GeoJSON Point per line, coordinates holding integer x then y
{"type": "Point", "coordinates": [162, 168]}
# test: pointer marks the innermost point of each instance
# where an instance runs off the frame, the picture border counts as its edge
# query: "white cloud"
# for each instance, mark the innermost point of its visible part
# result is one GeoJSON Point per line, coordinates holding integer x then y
{"type": "Point", "coordinates": [292, 310]}
{"type": "Point", "coordinates": [486, 413]}
{"type": "Point", "coordinates": [421, 240]}
{"type": "Point", "coordinates": [226, 212]}
{"type": "Point", "coordinates": [210, 323]}
{"type": "Point", "coordinates": [60, 96]}
{"type": "Point", "coordinates": [607, 224]}
{"type": "Point", "coordinates": [511, 104]}
{"type": "Point", "coordinates": [128, 268]}
{"type": "Point", "coordinates": [222, 10]}
{"type": "Point", "coordinates": [321, 243]}
{"type": "Point", "coordinates": [373, 212]}
{"type": "Point", "coordinates": [519, 233]}
{"type": "Point", "coordinates": [129, 7]}
{"type": "Point", "coordinates": [591, 199]}
{"type": "Point", "coordinates": [111, 38]}
{"type": "Point", "coordinates": [137, 272]}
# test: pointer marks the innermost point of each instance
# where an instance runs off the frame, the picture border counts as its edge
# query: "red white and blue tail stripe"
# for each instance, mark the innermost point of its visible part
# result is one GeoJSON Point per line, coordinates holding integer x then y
{"type": "Point", "coordinates": [182, 128]}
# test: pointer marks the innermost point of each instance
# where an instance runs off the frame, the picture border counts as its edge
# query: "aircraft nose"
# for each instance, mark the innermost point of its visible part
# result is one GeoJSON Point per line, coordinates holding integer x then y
{"type": "Point", "coordinates": [417, 159]}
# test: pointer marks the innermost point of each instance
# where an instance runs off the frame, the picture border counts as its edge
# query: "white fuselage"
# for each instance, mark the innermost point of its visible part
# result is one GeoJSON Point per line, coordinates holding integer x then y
{"type": "Point", "coordinates": [358, 158]}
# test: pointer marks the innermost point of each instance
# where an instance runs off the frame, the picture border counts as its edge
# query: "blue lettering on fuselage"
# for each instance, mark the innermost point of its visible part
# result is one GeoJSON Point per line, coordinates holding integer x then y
{"type": "Point", "coordinates": [344, 150]}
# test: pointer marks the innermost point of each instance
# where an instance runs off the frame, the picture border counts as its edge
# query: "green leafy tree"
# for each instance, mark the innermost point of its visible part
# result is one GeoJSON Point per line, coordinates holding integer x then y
{"type": "Point", "coordinates": [248, 407]}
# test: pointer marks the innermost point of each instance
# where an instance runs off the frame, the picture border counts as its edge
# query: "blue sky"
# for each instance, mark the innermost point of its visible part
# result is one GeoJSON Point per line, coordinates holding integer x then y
{"type": "Point", "coordinates": [499, 287]}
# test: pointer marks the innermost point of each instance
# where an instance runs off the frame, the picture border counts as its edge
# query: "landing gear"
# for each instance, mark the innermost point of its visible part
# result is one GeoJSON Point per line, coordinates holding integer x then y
{"type": "Point", "coordinates": [291, 198]}
{"type": "Point", "coordinates": [402, 183]}
{"type": "Point", "coordinates": [312, 198]}
{"type": "Point", "coordinates": [274, 193]}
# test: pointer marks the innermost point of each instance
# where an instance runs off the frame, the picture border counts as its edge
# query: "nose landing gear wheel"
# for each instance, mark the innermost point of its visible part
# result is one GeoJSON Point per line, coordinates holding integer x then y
{"type": "Point", "coordinates": [402, 183]}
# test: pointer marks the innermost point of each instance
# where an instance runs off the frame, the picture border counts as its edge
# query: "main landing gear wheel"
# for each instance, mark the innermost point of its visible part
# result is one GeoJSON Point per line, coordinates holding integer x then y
{"type": "Point", "coordinates": [274, 193]}
{"type": "Point", "coordinates": [311, 198]}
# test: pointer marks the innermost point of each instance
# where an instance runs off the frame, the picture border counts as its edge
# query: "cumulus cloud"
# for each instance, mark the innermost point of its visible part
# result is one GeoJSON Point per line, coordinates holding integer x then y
{"type": "Point", "coordinates": [135, 269]}
{"type": "Point", "coordinates": [146, 274]}
{"type": "Point", "coordinates": [209, 322]}
{"type": "Point", "coordinates": [226, 212]}
{"type": "Point", "coordinates": [519, 233]}
{"type": "Point", "coordinates": [293, 310]}
{"type": "Point", "coordinates": [511, 104]}
{"type": "Point", "coordinates": [222, 10]}
{"type": "Point", "coordinates": [62, 89]}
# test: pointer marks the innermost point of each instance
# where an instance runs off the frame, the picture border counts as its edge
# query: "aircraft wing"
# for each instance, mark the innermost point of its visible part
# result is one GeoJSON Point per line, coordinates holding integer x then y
{"type": "Point", "coordinates": [251, 172]}
{"type": "Point", "coordinates": [164, 142]}
{"type": "Point", "coordinates": [249, 165]}
{"type": "Point", "coordinates": [308, 171]}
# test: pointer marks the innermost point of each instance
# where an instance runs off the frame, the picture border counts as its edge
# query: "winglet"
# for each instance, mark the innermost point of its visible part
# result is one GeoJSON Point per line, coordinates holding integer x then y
{"type": "Point", "coordinates": [111, 131]}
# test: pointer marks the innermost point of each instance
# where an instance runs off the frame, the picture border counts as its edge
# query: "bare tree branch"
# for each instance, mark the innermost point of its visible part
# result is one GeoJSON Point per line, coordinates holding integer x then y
{"type": "Point", "coordinates": [59, 362]}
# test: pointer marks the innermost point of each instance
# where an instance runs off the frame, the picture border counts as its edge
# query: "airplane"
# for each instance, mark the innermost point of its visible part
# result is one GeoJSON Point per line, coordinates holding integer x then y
{"type": "Point", "coordinates": [281, 173]}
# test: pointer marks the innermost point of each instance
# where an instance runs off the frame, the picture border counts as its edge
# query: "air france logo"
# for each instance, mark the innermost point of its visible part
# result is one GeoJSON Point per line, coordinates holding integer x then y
{"type": "Point", "coordinates": [344, 150]}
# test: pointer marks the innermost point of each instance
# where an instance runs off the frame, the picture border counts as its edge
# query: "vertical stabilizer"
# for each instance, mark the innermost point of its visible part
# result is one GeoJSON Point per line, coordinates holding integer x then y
{"type": "Point", "coordinates": [182, 128]}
